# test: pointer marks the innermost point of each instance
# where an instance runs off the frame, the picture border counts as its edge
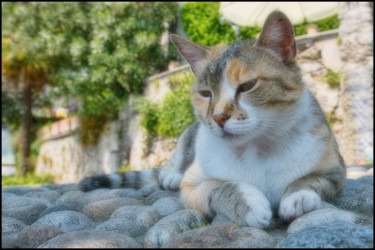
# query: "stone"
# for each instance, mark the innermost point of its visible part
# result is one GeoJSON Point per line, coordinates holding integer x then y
{"type": "Point", "coordinates": [56, 208]}
{"type": "Point", "coordinates": [222, 236]}
{"type": "Point", "coordinates": [6, 195]}
{"type": "Point", "coordinates": [148, 189]}
{"type": "Point", "coordinates": [62, 188]}
{"type": "Point", "coordinates": [8, 241]}
{"type": "Point", "coordinates": [35, 235]}
{"type": "Point", "coordinates": [18, 190]}
{"type": "Point", "coordinates": [10, 225]}
{"type": "Point", "coordinates": [335, 234]}
{"type": "Point", "coordinates": [149, 200]}
{"type": "Point", "coordinates": [21, 201]}
{"type": "Point", "coordinates": [172, 225]}
{"type": "Point", "coordinates": [26, 214]}
{"type": "Point", "coordinates": [168, 205]}
{"type": "Point", "coordinates": [321, 216]}
{"type": "Point", "coordinates": [127, 193]}
{"type": "Point", "coordinates": [310, 67]}
{"type": "Point", "coordinates": [367, 179]}
{"type": "Point", "coordinates": [142, 216]}
{"type": "Point", "coordinates": [49, 195]}
{"type": "Point", "coordinates": [221, 219]}
{"type": "Point", "coordinates": [91, 239]}
{"type": "Point", "coordinates": [88, 198]}
{"type": "Point", "coordinates": [67, 221]}
{"type": "Point", "coordinates": [123, 226]}
{"type": "Point", "coordinates": [98, 191]}
{"type": "Point", "coordinates": [102, 210]}
{"type": "Point", "coordinates": [72, 198]}
{"type": "Point", "coordinates": [362, 192]}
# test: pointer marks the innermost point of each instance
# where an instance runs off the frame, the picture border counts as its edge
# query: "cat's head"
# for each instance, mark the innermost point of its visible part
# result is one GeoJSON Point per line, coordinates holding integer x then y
{"type": "Point", "coordinates": [248, 88]}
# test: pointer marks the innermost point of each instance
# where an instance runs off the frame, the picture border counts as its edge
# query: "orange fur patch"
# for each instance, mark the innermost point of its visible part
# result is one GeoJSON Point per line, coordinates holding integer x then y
{"type": "Point", "coordinates": [236, 72]}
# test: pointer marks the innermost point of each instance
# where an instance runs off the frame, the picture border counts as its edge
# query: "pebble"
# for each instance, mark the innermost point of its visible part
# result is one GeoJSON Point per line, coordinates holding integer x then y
{"type": "Point", "coordinates": [60, 216]}
{"type": "Point", "coordinates": [335, 234]}
{"type": "Point", "coordinates": [91, 239]}
{"type": "Point", "coordinates": [103, 209]}
{"type": "Point", "coordinates": [168, 205]}
{"type": "Point", "coordinates": [222, 236]}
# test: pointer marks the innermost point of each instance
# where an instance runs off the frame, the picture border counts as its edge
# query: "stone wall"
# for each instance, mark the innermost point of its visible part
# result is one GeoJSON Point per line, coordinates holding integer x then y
{"type": "Point", "coordinates": [356, 90]}
{"type": "Point", "coordinates": [63, 155]}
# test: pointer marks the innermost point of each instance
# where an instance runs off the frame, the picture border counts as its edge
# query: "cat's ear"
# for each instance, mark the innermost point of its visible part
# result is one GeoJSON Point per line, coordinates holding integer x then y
{"type": "Point", "coordinates": [278, 35]}
{"type": "Point", "coordinates": [195, 54]}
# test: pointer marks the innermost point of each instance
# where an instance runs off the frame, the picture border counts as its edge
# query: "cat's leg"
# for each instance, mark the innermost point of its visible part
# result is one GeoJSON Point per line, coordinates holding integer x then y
{"type": "Point", "coordinates": [171, 174]}
{"type": "Point", "coordinates": [305, 194]}
{"type": "Point", "coordinates": [238, 201]}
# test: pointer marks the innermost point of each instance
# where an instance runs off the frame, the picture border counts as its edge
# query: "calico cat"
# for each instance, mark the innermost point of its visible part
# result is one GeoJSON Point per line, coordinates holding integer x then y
{"type": "Point", "coordinates": [261, 144]}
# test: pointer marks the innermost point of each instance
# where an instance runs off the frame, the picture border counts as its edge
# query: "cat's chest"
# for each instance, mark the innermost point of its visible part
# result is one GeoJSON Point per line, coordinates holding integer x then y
{"type": "Point", "coordinates": [256, 164]}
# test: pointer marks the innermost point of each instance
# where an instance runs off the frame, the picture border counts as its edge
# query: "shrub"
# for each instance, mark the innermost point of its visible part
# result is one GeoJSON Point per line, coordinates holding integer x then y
{"type": "Point", "coordinates": [333, 78]}
{"type": "Point", "coordinates": [329, 23]}
{"type": "Point", "coordinates": [29, 179]}
{"type": "Point", "coordinates": [171, 116]}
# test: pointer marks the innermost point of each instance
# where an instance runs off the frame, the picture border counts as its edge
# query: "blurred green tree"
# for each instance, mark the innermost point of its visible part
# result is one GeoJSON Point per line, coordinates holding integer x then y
{"type": "Point", "coordinates": [97, 52]}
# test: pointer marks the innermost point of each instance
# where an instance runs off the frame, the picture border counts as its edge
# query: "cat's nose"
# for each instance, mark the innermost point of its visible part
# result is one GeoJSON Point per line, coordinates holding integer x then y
{"type": "Point", "coordinates": [221, 119]}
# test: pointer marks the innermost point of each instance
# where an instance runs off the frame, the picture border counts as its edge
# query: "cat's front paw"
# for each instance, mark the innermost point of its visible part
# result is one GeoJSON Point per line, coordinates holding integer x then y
{"type": "Point", "coordinates": [259, 213]}
{"type": "Point", "coordinates": [299, 203]}
{"type": "Point", "coordinates": [170, 179]}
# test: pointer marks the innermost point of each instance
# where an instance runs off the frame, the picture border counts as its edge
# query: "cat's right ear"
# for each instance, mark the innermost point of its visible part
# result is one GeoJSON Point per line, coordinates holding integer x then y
{"type": "Point", "coordinates": [195, 54]}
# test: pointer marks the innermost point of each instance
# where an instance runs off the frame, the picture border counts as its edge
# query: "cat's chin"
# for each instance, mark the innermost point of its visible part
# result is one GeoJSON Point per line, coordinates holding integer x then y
{"type": "Point", "coordinates": [240, 138]}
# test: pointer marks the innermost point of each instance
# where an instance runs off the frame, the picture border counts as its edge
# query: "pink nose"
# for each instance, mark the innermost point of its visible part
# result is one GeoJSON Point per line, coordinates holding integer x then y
{"type": "Point", "coordinates": [221, 119]}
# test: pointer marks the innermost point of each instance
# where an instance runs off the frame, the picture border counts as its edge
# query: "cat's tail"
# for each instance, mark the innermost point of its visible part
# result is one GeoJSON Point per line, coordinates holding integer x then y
{"type": "Point", "coordinates": [129, 179]}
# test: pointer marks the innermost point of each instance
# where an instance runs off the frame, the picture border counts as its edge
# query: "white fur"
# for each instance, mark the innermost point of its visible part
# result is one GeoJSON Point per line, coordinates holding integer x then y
{"type": "Point", "coordinates": [298, 203]}
{"type": "Point", "coordinates": [260, 211]}
{"type": "Point", "coordinates": [241, 159]}
{"type": "Point", "coordinates": [170, 178]}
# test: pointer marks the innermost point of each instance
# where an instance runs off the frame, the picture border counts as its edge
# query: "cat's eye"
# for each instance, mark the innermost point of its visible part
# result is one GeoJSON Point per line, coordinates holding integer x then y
{"type": "Point", "coordinates": [205, 93]}
{"type": "Point", "coordinates": [246, 86]}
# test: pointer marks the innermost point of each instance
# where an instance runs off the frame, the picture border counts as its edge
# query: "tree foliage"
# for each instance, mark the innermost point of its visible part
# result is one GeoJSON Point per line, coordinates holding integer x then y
{"type": "Point", "coordinates": [97, 52]}
{"type": "Point", "coordinates": [204, 25]}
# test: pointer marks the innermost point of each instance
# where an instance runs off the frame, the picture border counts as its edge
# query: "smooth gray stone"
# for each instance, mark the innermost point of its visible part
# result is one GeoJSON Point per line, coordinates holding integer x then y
{"type": "Point", "coordinates": [67, 221]}
{"type": "Point", "coordinates": [168, 205]}
{"type": "Point", "coordinates": [102, 210]}
{"type": "Point", "coordinates": [35, 235]}
{"type": "Point", "coordinates": [222, 236]}
{"type": "Point", "coordinates": [149, 200]}
{"type": "Point", "coordinates": [26, 214]}
{"type": "Point", "coordinates": [127, 193]}
{"type": "Point", "coordinates": [321, 216]}
{"type": "Point", "coordinates": [142, 216]}
{"type": "Point", "coordinates": [49, 195]}
{"type": "Point", "coordinates": [336, 234]}
{"type": "Point", "coordinates": [123, 226]}
{"type": "Point", "coordinates": [91, 239]}
{"type": "Point", "coordinates": [10, 225]}
{"type": "Point", "coordinates": [355, 196]}
{"type": "Point", "coordinates": [56, 208]}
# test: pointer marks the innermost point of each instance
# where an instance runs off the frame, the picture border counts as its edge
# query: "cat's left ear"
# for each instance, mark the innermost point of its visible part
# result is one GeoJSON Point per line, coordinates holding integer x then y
{"type": "Point", "coordinates": [278, 35]}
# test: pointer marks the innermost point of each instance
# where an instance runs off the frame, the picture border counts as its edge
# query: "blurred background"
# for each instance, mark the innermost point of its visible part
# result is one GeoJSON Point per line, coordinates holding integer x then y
{"type": "Point", "coordinates": [97, 87]}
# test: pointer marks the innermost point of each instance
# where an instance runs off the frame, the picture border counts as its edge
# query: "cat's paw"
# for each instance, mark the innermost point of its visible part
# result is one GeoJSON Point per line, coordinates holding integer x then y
{"type": "Point", "coordinates": [299, 203]}
{"type": "Point", "coordinates": [259, 214]}
{"type": "Point", "coordinates": [170, 179]}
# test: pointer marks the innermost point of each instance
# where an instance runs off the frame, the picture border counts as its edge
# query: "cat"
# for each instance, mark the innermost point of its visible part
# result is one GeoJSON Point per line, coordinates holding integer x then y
{"type": "Point", "coordinates": [261, 145]}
